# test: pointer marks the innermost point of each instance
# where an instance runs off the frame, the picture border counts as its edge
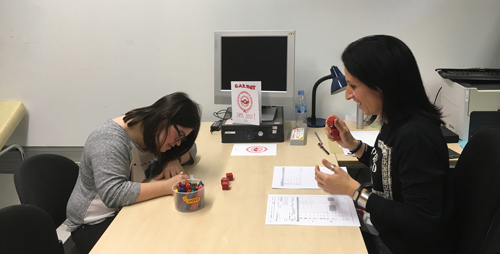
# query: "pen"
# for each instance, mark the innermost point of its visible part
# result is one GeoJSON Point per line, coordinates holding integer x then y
{"type": "Point", "coordinates": [318, 138]}
{"type": "Point", "coordinates": [322, 147]}
{"type": "Point", "coordinates": [320, 144]}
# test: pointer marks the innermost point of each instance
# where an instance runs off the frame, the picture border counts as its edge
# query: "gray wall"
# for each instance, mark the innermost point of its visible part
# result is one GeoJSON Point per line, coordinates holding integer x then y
{"type": "Point", "coordinates": [75, 64]}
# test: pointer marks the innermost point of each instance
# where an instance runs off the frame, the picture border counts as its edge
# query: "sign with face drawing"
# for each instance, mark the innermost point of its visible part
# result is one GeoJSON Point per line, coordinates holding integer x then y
{"type": "Point", "coordinates": [246, 102]}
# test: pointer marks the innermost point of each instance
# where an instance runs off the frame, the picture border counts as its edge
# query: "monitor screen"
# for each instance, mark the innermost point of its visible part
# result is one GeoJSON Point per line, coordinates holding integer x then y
{"type": "Point", "coordinates": [266, 56]}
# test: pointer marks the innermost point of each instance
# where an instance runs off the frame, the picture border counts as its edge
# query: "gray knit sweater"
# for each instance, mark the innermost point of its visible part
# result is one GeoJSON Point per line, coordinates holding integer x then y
{"type": "Point", "coordinates": [111, 167]}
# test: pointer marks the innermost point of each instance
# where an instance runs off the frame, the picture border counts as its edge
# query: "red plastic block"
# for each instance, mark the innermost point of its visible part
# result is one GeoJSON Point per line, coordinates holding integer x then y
{"type": "Point", "coordinates": [335, 132]}
{"type": "Point", "coordinates": [229, 176]}
{"type": "Point", "coordinates": [224, 179]}
{"type": "Point", "coordinates": [225, 185]}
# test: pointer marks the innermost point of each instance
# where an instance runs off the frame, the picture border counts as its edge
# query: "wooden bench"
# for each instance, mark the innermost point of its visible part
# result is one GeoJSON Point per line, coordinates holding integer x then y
{"type": "Point", "coordinates": [11, 113]}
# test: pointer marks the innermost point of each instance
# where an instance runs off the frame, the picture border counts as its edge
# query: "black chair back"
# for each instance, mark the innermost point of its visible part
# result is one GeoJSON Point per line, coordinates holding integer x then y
{"type": "Point", "coordinates": [476, 194]}
{"type": "Point", "coordinates": [46, 181]}
{"type": "Point", "coordinates": [27, 229]}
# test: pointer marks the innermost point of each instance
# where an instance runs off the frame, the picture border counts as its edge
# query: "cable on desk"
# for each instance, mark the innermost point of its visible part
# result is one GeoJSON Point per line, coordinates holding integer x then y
{"type": "Point", "coordinates": [217, 124]}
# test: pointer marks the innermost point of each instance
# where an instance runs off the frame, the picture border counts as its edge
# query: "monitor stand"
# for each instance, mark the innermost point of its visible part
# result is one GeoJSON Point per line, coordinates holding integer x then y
{"type": "Point", "coordinates": [316, 123]}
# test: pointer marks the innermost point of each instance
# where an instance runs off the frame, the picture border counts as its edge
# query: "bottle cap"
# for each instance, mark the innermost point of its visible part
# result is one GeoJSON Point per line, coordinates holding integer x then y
{"type": "Point", "coordinates": [301, 92]}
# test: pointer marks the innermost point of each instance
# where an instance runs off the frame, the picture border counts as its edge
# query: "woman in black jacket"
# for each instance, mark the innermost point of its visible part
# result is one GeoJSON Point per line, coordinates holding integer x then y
{"type": "Point", "coordinates": [410, 201]}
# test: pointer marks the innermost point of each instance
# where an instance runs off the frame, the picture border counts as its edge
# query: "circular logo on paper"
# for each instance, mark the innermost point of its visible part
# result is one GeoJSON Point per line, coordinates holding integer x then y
{"type": "Point", "coordinates": [245, 101]}
{"type": "Point", "coordinates": [256, 149]}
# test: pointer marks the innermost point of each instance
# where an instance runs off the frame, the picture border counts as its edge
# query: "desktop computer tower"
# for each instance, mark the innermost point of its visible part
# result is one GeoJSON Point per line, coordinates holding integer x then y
{"type": "Point", "coordinates": [267, 131]}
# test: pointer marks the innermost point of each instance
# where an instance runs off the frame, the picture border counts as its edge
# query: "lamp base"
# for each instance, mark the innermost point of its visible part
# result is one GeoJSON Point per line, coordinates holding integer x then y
{"type": "Point", "coordinates": [317, 123]}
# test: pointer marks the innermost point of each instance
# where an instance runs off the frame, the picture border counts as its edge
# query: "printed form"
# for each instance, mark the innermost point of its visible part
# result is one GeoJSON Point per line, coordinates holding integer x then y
{"type": "Point", "coordinates": [311, 210]}
{"type": "Point", "coordinates": [307, 210]}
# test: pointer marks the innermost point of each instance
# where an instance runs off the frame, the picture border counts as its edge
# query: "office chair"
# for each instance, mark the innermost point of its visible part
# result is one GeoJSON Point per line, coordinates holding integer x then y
{"type": "Point", "coordinates": [27, 229]}
{"type": "Point", "coordinates": [46, 181]}
{"type": "Point", "coordinates": [476, 195]}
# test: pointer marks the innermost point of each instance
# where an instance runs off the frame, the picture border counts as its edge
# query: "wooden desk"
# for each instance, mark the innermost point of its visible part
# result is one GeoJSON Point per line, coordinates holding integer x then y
{"type": "Point", "coordinates": [232, 221]}
{"type": "Point", "coordinates": [11, 113]}
{"type": "Point", "coordinates": [348, 160]}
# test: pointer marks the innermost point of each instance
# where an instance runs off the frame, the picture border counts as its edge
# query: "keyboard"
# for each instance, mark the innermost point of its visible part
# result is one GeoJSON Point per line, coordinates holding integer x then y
{"type": "Point", "coordinates": [478, 74]}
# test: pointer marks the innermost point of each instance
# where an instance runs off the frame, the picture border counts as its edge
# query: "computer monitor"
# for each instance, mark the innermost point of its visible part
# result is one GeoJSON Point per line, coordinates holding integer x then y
{"type": "Point", "coordinates": [266, 56]}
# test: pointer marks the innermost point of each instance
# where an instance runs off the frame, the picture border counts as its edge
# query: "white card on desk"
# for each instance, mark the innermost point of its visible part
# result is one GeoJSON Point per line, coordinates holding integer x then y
{"type": "Point", "coordinates": [254, 150]}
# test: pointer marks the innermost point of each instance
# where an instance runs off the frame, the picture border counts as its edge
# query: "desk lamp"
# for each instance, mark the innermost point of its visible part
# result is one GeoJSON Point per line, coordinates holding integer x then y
{"type": "Point", "coordinates": [339, 84]}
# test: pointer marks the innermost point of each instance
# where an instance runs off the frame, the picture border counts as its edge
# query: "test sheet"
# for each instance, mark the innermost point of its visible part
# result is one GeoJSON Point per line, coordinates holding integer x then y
{"type": "Point", "coordinates": [297, 177]}
{"type": "Point", "coordinates": [311, 210]}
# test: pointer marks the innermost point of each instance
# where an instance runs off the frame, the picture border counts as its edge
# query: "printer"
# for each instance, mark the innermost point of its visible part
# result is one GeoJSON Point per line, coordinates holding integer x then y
{"type": "Point", "coordinates": [460, 96]}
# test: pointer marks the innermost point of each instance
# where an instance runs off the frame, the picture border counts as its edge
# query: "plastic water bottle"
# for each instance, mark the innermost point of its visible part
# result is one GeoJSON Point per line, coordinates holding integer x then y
{"type": "Point", "coordinates": [301, 110]}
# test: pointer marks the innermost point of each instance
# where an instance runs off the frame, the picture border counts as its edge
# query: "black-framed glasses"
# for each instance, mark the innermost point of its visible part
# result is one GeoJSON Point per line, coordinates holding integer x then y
{"type": "Point", "coordinates": [181, 136]}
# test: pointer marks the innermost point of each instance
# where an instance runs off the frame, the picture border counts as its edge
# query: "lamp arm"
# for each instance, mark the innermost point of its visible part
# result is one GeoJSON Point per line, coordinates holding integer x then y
{"type": "Point", "coordinates": [315, 87]}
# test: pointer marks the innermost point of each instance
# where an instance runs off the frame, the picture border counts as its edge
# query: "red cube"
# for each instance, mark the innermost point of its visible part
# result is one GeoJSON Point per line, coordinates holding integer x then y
{"type": "Point", "coordinates": [225, 185]}
{"type": "Point", "coordinates": [224, 179]}
{"type": "Point", "coordinates": [229, 176]}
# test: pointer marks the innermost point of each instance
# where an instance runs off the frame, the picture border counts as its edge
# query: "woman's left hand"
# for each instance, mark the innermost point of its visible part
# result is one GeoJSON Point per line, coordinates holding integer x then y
{"type": "Point", "coordinates": [340, 183]}
{"type": "Point", "coordinates": [173, 168]}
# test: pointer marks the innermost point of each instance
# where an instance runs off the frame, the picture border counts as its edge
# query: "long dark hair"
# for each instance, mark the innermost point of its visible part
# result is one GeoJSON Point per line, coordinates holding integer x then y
{"type": "Point", "coordinates": [386, 63]}
{"type": "Point", "coordinates": [176, 108]}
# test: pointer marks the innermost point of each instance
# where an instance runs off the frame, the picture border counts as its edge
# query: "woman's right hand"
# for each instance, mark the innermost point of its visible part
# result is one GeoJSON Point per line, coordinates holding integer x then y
{"type": "Point", "coordinates": [180, 177]}
{"type": "Point", "coordinates": [160, 188]}
{"type": "Point", "coordinates": [347, 140]}
{"type": "Point", "coordinates": [175, 179]}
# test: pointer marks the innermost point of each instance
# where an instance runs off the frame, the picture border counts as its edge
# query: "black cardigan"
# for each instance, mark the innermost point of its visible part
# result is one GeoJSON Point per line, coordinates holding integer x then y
{"type": "Point", "coordinates": [411, 201]}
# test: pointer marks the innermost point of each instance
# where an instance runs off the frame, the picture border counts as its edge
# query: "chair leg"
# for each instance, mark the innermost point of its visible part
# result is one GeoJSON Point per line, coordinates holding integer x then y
{"type": "Point", "coordinates": [16, 146]}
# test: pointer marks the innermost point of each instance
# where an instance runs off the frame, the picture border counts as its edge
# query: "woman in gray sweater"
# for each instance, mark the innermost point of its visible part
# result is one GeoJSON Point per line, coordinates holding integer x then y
{"type": "Point", "coordinates": [121, 154]}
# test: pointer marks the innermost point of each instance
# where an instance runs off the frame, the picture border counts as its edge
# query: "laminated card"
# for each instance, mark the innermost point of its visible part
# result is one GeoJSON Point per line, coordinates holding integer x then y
{"type": "Point", "coordinates": [246, 102]}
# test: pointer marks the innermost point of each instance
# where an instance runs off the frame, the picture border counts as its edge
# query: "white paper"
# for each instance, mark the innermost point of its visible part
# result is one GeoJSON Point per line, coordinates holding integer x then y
{"type": "Point", "coordinates": [254, 150]}
{"type": "Point", "coordinates": [246, 102]}
{"type": "Point", "coordinates": [311, 210]}
{"type": "Point", "coordinates": [367, 137]}
{"type": "Point", "coordinates": [297, 177]}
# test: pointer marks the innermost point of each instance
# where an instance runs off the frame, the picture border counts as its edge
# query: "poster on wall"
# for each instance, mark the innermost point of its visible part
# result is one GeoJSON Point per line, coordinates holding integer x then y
{"type": "Point", "coordinates": [246, 102]}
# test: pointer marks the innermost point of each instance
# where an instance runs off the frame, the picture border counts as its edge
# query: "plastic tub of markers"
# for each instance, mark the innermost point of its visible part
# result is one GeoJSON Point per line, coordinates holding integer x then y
{"type": "Point", "coordinates": [189, 195]}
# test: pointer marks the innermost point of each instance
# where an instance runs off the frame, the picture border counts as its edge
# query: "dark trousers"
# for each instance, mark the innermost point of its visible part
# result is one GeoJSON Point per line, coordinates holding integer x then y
{"type": "Point", "coordinates": [374, 244]}
{"type": "Point", "coordinates": [86, 236]}
{"type": "Point", "coordinates": [369, 242]}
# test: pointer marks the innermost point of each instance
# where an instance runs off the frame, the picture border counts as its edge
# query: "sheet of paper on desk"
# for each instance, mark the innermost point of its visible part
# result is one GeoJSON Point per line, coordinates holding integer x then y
{"type": "Point", "coordinates": [254, 150]}
{"type": "Point", "coordinates": [297, 177]}
{"type": "Point", "coordinates": [367, 137]}
{"type": "Point", "coordinates": [311, 210]}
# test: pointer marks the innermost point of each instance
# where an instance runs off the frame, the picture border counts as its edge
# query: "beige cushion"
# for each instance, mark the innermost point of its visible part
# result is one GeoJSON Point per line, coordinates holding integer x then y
{"type": "Point", "coordinates": [11, 113]}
